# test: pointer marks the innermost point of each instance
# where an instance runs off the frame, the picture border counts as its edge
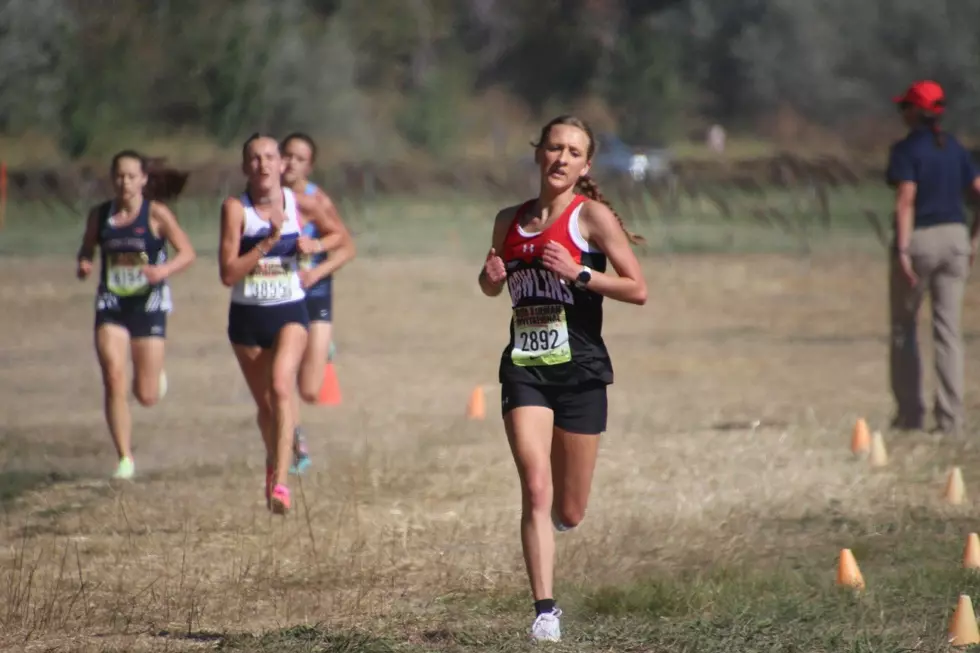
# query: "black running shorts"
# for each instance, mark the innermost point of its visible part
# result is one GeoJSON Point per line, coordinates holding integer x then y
{"type": "Point", "coordinates": [578, 409]}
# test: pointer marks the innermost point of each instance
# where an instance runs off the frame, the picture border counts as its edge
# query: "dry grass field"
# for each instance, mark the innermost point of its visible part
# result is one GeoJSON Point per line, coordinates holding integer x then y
{"type": "Point", "coordinates": [703, 534]}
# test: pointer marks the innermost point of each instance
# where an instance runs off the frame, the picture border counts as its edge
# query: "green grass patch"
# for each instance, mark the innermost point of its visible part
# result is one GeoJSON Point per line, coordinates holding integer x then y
{"type": "Point", "coordinates": [730, 221]}
{"type": "Point", "coordinates": [768, 603]}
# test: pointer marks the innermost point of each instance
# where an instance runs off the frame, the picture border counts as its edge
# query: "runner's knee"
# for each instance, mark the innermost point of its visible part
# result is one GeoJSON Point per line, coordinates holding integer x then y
{"type": "Point", "coordinates": [114, 379]}
{"type": "Point", "coordinates": [537, 490]}
{"type": "Point", "coordinates": [281, 389]}
{"type": "Point", "coordinates": [309, 388]}
{"type": "Point", "coordinates": [145, 395]}
{"type": "Point", "coordinates": [570, 514]}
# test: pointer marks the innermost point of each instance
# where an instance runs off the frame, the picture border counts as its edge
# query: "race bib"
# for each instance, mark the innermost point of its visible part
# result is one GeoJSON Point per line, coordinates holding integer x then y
{"type": "Point", "coordinates": [124, 276]}
{"type": "Point", "coordinates": [540, 336]}
{"type": "Point", "coordinates": [271, 280]}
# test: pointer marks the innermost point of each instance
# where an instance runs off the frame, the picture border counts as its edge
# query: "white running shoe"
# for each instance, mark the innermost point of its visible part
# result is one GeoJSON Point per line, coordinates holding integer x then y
{"type": "Point", "coordinates": [546, 627]}
{"type": "Point", "coordinates": [558, 524]}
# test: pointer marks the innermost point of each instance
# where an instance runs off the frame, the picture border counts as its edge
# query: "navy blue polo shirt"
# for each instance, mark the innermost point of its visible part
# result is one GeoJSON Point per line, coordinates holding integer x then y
{"type": "Point", "coordinates": [941, 175]}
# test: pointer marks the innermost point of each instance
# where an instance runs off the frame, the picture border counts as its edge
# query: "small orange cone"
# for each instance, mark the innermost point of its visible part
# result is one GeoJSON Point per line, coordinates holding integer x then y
{"type": "Point", "coordinates": [971, 552]}
{"type": "Point", "coordinates": [963, 625]}
{"type": "Point", "coordinates": [954, 487]}
{"type": "Point", "coordinates": [848, 574]}
{"type": "Point", "coordinates": [861, 439]}
{"type": "Point", "coordinates": [330, 388]}
{"type": "Point", "coordinates": [879, 455]}
{"type": "Point", "coordinates": [476, 408]}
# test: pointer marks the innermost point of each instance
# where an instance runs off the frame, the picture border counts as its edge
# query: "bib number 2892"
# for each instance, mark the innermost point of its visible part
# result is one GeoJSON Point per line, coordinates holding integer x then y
{"type": "Point", "coordinates": [540, 336]}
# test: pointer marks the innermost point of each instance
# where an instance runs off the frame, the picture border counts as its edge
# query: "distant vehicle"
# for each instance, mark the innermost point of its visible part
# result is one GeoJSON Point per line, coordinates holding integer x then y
{"type": "Point", "coordinates": [616, 157]}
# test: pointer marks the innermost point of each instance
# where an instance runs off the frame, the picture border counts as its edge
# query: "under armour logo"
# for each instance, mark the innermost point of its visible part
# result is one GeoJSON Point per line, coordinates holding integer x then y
{"type": "Point", "coordinates": [527, 248]}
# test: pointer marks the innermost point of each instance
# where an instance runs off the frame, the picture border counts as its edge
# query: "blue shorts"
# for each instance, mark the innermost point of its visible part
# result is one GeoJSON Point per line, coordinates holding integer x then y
{"type": "Point", "coordinates": [139, 324]}
{"type": "Point", "coordinates": [258, 326]}
{"type": "Point", "coordinates": [320, 308]}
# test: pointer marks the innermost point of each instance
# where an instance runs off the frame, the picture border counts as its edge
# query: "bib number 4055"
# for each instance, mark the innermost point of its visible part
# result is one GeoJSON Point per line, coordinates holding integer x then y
{"type": "Point", "coordinates": [268, 288]}
{"type": "Point", "coordinates": [540, 336]}
{"type": "Point", "coordinates": [269, 281]}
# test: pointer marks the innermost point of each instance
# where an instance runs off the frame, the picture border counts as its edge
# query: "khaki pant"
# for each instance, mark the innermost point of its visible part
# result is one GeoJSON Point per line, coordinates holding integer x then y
{"type": "Point", "coordinates": [940, 256]}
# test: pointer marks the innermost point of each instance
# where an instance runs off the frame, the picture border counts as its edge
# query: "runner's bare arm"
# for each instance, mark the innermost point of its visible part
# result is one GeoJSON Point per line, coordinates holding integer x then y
{"type": "Point", "coordinates": [86, 251]}
{"type": "Point", "coordinates": [600, 226]}
{"type": "Point", "coordinates": [90, 236]}
{"type": "Point", "coordinates": [336, 239]}
{"type": "Point", "coordinates": [170, 229]}
{"type": "Point", "coordinates": [232, 267]}
{"type": "Point", "coordinates": [500, 224]}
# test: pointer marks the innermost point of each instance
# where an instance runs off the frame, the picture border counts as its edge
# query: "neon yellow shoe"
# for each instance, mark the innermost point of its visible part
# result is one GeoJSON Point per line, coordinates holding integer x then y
{"type": "Point", "coordinates": [125, 469]}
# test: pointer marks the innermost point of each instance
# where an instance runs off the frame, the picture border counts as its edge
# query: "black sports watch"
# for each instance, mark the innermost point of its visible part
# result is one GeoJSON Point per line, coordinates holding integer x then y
{"type": "Point", "coordinates": [584, 277]}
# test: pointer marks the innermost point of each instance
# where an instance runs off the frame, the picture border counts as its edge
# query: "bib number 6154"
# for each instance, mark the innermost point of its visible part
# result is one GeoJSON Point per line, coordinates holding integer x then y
{"type": "Point", "coordinates": [125, 280]}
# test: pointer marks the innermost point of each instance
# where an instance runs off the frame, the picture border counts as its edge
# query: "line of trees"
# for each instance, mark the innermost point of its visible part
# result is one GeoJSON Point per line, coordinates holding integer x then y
{"type": "Point", "coordinates": [382, 77]}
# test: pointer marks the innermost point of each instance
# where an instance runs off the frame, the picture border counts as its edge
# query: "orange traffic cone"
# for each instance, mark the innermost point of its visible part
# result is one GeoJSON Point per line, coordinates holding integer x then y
{"type": "Point", "coordinates": [963, 625]}
{"type": "Point", "coordinates": [879, 455]}
{"type": "Point", "coordinates": [330, 388]}
{"type": "Point", "coordinates": [848, 573]}
{"type": "Point", "coordinates": [971, 552]}
{"type": "Point", "coordinates": [954, 487]}
{"type": "Point", "coordinates": [476, 408]}
{"type": "Point", "coordinates": [861, 439]}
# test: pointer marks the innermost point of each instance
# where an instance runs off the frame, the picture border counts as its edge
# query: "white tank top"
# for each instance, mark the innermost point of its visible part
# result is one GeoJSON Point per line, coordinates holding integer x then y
{"type": "Point", "coordinates": [275, 279]}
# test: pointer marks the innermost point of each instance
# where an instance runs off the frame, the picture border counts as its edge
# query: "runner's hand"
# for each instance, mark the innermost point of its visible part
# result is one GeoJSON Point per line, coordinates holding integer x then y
{"type": "Point", "coordinates": [276, 221]}
{"type": "Point", "coordinates": [307, 278]}
{"type": "Point", "coordinates": [154, 274]}
{"type": "Point", "coordinates": [494, 267]}
{"type": "Point", "coordinates": [84, 268]}
{"type": "Point", "coordinates": [307, 245]}
{"type": "Point", "coordinates": [558, 260]}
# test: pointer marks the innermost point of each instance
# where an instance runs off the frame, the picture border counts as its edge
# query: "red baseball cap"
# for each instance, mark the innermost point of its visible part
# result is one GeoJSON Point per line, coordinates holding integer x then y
{"type": "Point", "coordinates": [925, 94]}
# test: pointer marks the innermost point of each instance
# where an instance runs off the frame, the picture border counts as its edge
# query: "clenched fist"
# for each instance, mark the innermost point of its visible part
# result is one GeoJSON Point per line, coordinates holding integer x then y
{"type": "Point", "coordinates": [494, 267]}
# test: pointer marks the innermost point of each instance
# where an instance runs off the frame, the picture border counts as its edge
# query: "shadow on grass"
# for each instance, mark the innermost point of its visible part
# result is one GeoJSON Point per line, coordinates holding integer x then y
{"type": "Point", "coordinates": [307, 639]}
{"type": "Point", "coordinates": [15, 483]}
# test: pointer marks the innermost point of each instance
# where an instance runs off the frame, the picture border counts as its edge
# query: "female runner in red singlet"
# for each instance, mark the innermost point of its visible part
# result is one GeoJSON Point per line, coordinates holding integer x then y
{"type": "Point", "coordinates": [552, 252]}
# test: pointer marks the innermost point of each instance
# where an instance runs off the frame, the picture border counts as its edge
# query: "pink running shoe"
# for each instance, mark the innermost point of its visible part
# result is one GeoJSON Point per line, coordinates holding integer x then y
{"type": "Point", "coordinates": [280, 500]}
